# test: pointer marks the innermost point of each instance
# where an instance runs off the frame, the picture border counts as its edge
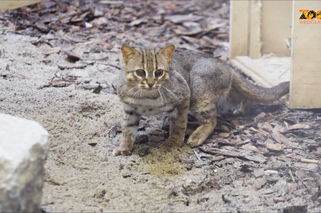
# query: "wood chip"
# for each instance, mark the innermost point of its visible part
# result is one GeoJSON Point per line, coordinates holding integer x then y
{"type": "Point", "coordinates": [299, 126]}
{"type": "Point", "coordinates": [274, 147]}
{"type": "Point", "coordinates": [259, 131]}
{"type": "Point", "coordinates": [268, 172]}
{"type": "Point", "coordinates": [258, 172]}
{"type": "Point", "coordinates": [259, 117]}
{"type": "Point", "coordinates": [225, 128]}
{"type": "Point", "coordinates": [115, 2]}
{"type": "Point", "coordinates": [177, 19]}
{"type": "Point", "coordinates": [53, 50]}
{"type": "Point", "coordinates": [137, 22]}
{"type": "Point", "coordinates": [183, 31]}
{"type": "Point", "coordinates": [281, 138]}
{"type": "Point", "coordinates": [278, 127]}
{"type": "Point", "coordinates": [266, 127]}
{"type": "Point", "coordinates": [267, 191]}
{"type": "Point", "coordinates": [224, 134]}
{"type": "Point", "coordinates": [99, 21]}
{"type": "Point", "coordinates": [306, 167]}
{"type": "Point", "coordinates": [249, 146]}
{"type": "Point", "coordinates": [259, 183]}
{"type": "Point", "coordinates": [193, 27]}
{"type": "Point", "coordinates": [218, 158]}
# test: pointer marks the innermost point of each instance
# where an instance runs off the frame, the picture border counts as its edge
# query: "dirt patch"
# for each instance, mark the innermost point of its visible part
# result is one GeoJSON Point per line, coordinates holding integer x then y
{"type": "Point", "coordinates": [162, 164]}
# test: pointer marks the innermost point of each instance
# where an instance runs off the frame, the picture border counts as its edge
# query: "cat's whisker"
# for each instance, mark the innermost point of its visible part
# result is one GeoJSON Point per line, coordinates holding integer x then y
{"type": "Point", "coordinates": [119, 91]}
{"type": "Point", "coordinates": [132, 88]}
{"type": "Point", "coordinates": [164, 97]}
{"type": "Point", "coordinates": [140, 93]}
{"type": "Point", "coordinates": [161, 96]}
{"type": "Point", "coordinates": [134, 95]}
{"type": "Point", "coordinates": [169, 91]}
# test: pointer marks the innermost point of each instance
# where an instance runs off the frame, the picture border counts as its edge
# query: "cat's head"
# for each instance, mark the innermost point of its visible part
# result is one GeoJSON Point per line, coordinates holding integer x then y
{"type": "Point", "coordinates": [147, 68]}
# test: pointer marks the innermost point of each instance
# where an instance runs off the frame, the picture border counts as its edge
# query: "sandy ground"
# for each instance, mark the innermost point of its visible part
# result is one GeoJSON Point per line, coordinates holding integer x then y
{"type": "Point", "coordinates": [81, 174]}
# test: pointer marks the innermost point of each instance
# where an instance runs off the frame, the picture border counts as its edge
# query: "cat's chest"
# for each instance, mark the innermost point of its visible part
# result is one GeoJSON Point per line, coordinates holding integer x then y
{"type": "Point", "coordinates": [148, 110]}
{"type": "Point", "coordinates": [148, 106]}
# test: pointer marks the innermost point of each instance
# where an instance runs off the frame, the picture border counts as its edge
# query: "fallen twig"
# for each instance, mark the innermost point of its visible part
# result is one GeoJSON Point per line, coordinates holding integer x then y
{"type": "Point", "coordinates": [245, 154]}
{"type": "Point", "coordinates": [198, 157]}
{"type": "Point", "coordinates": [304, 160]}
{"type": "Point", "coordinates": [290, 173]}
{"type": "Point", "coordinates": [111, 65]}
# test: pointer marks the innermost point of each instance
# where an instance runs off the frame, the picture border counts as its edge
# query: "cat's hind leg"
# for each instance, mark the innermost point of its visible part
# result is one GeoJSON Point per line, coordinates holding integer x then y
{"type": "Point", "coordinates": [205, 113]}
{"type": "Point", "coordinates": [209, 80]}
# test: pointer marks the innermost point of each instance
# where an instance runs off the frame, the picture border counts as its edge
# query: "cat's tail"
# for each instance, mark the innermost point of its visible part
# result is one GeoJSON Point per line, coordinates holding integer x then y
{"type": "Point", "coordinates": [257, 93]}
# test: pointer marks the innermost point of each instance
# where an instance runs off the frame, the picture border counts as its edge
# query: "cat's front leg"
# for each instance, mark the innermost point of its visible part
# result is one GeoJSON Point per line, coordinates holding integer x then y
{"type": "Point", "coordinates": [178, 126]}
{"type": "Point", "coordinates": [129, 132]}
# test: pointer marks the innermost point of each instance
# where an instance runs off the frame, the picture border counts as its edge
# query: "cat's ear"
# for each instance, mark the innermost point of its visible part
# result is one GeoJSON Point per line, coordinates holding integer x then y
{"type": "Point", "coordinates": [167, 52]}
{"type": "Point", "coordinates": [128, 53]}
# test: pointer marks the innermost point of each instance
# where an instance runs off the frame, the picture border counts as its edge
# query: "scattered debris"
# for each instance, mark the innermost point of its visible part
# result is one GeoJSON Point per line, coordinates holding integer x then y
{"type": "Point", "coordinates": [107, 25]}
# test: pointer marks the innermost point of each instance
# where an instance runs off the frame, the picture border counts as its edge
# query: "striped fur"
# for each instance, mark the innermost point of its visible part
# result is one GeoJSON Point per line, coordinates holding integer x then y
{"type": "Point", "coordinates": [151, 94]}
{"type": "Point", "coordinates": [152, 83]}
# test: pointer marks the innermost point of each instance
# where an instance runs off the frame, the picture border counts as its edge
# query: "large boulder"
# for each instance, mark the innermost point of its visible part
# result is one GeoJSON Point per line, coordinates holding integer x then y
{"type": "Point", "coordinates": [23, 151]}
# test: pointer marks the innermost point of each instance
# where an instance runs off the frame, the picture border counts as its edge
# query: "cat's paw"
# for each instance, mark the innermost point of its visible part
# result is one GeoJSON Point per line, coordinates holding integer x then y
{"type": "Point", "coordinates": [166, 146]}
{"type": "Point", "coordinates": [200, 134]}
{"type": "Point", "coordinates": [194, 140]}
{"type": "Point", "coordinates": [117, 151]}
{"type": "Point", "coordinates": [123, 149]}
{"type": "Point", "coordinates": [169, 144]}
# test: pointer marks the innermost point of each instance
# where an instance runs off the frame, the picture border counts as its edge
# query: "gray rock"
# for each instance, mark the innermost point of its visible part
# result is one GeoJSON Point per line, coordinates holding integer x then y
{"type": "Point", "coordinates": [23, 151]}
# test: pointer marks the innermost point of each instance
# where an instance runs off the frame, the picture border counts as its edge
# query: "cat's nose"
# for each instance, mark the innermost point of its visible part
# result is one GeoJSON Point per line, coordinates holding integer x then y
{"type": "Point", "coordinates": [150, 85]}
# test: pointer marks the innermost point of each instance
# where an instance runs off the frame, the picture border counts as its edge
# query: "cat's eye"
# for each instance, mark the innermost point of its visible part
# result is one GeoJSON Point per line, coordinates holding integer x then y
{"type": "Point", "coordinates": [159, 73]}
{"type": "Point", "coordinates": [140, 73]}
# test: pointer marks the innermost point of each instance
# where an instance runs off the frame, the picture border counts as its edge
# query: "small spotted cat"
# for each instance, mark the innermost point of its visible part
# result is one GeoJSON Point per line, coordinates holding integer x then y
{"type": "Point", "coordinates": [154, 81]}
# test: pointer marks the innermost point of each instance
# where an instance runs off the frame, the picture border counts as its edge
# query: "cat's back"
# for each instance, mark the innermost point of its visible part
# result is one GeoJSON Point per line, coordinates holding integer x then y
{"type": "Point", "coordinates": [187, 58]}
